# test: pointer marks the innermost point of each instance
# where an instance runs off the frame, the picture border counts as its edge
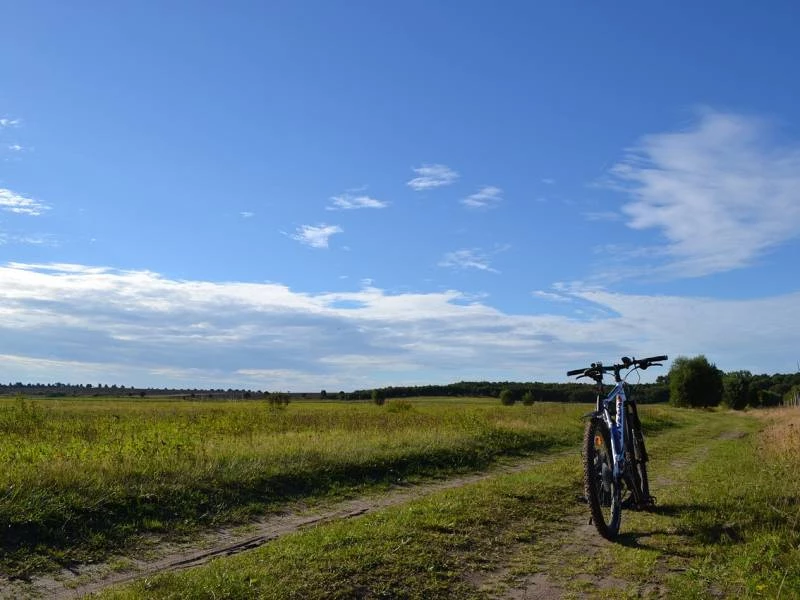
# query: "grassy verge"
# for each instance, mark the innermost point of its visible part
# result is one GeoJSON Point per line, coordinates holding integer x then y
{"type": "Point", "coordinates": [727, 524]}
{"type": "Point", "coordinates": [442, 546]}
{"type": "Point", "coordinates": [83, 479]}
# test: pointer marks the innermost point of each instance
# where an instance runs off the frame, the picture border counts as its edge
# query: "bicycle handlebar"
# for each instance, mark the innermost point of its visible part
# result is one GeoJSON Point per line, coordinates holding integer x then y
{"type": "Point", "coordinates": [627, 363]}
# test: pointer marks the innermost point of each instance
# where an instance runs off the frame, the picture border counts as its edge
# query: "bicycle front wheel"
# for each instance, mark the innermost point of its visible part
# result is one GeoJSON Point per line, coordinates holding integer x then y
{"type": "Point", "coordinates": [602, 490]}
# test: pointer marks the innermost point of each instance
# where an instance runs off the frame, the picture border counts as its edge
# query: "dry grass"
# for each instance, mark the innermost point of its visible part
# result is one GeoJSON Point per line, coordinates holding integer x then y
{"type": "Point", "coordinates": [781, 437]}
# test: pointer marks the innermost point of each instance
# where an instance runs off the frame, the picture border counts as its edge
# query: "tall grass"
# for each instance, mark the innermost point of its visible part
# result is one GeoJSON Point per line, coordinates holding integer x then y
{"type": "Point", "coordinates": [82, 478]}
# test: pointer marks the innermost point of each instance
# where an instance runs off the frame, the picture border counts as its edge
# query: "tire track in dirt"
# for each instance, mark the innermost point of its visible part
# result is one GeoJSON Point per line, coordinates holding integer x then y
{"type": "Point", "coordinates": [168, 557]}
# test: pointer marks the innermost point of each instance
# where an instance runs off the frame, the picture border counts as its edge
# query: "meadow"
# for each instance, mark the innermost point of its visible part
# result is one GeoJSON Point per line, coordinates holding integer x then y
{"type": "Point", "coordinates": [85, 478]}
{"type": "Point", "coordinates": [726, 525]}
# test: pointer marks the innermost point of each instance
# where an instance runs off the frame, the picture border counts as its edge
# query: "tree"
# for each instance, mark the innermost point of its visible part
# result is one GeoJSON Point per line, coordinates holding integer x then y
{"type": "Point", "coordinates": [694, 382]}
{"type": "Point", "coordinates": [323, 395]}
{"type": "Point", "coordinates": [507, 397]}
{"type": "Point", "coordinates": [378, 397]}
{"type": "Point", "coordinates": [527, 398]}
{"type": "Point", "coordinates": [736, 389]}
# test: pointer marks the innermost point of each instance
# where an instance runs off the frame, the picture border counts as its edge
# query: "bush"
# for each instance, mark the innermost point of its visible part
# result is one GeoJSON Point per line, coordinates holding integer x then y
{"type": "Point", "coordinates": [378, 397]}
{"type": "Point", "coordinates": [736, 389]}
{"type": "Point", "coordinates": [507, 397]}
{"type": "Point", "coordinates": [278, 401]}
{"type": "Point", "coordinates": [694, 382]}
{"type": "Point", "coordinates": [527, 398]}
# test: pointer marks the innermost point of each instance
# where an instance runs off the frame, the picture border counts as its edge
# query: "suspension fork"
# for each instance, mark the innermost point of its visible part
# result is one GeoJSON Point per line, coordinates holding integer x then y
{"type": "Point", "coordinates": [618, 434]}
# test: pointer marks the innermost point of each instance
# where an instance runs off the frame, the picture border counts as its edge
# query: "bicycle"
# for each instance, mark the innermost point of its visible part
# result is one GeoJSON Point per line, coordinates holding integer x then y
{"type": "Point", "coordinates": [614, 454]}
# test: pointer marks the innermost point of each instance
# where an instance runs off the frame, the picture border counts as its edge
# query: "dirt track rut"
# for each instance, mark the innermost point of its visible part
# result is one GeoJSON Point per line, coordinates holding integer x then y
{"type": "Point", "coordinates": [79, 582]}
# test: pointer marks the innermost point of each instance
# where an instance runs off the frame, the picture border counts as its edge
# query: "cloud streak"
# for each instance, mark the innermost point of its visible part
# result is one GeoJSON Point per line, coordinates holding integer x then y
{"type": "Point", "coordinates": [722, 193]}
{"type": "Point", "coordinates": [487, 197]}
{"type": "Point", "coordinates": [352, 202]}
{"type": "Point", "coordinates": [13, 202]}
{"type": "Point", "coordinates": [316, 236]}
{"type": "Point", "coordinates": [431, 177]}
{"type": "Point", "coordinates": [468, 258]}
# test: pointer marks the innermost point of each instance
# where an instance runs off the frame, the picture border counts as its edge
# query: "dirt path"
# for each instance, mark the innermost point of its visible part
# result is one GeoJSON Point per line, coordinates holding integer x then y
{"type": "Point", "coordinates": [575, 561]}
{"type": "Point", "coordinates": [79, 582]}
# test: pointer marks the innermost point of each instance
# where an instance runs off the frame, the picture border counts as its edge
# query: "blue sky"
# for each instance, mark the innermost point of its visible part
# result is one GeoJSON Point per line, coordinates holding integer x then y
{"type": "Point", "coordinates": [339, 195]}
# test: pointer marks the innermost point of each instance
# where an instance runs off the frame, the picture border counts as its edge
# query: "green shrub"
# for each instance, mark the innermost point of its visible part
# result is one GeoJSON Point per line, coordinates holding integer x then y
{"type": "Point", "coordinates": [507, 397]}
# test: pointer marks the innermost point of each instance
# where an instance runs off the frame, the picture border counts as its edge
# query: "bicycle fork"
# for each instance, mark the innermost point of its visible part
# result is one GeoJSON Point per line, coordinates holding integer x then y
{"type": "Point", "coordinates": [617, 428]}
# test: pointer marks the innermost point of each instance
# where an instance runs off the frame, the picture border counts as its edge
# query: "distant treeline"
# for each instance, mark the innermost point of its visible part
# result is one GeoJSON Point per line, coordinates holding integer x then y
{"type": "Point", "coordinates": [542, 392]}
{"type": "Point", "coordinates": [63, 390]}
{"type": "Point", "coordinates": [762, 390]}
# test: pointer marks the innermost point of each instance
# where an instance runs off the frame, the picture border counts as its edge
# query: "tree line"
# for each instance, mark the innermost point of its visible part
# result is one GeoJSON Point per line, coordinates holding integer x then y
{"type": "Point", "coordinates": [511, 392]}
{"type": "Point", "coordinates": [697, 382]}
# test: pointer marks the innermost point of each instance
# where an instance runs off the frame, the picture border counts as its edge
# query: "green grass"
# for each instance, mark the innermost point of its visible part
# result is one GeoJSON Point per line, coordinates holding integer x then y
{"type": "Point", "coordinates": [85, 478]}
{"type": "Point", "coordinates": [726, 526]}
{"type": "Point", "coordinates": [435, 547]}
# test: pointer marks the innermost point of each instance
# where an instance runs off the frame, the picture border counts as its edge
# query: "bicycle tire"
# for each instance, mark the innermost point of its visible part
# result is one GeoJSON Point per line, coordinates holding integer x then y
{"type": "Point", "coordinates": [639, 459]}
{"type": "Point", "coordinates": [640, 455]}
{"type": "Point", "coordinates": [603, 492]}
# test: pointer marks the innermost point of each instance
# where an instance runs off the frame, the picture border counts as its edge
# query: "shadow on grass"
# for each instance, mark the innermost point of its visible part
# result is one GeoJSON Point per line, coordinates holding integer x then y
{"type": "Point", "coordinates": [699, 522]}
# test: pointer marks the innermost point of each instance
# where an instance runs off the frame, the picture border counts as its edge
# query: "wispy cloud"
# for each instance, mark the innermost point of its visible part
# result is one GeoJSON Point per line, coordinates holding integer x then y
{"type": "Point", "coordinates": [722, 192]}
{"type": "Point", "coordinates": [13, 202]}
{"type": "Point", "coordinates": [316, 236]}
{"type": "Point", "coordinates": [28, 239]}
{"type": "Point", "coordinates": [548, 181]}
{"type": "Point", "coordinates": [349, 201]}
{"type": "Point", "coordinates": [6, 122]}
{"type": "Point", "coordinates": [15, 148]}
{"type": "Point", "coordinates": [246, 214]}
{"type": "Point", "coordinates": [487, 197]}
{"type": "Point", "coordinates": [552, 296]}
{"type": "Point", "coordinates": [432, 176]}
{"type": "Point", "coordinates": [472, 258]}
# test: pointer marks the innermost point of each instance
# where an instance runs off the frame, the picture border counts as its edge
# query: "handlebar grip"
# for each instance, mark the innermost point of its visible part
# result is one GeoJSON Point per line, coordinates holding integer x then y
{"type": "Point", "coordinates": [655, 358]}
{"type": "Point", "coordinates": [575, 372]}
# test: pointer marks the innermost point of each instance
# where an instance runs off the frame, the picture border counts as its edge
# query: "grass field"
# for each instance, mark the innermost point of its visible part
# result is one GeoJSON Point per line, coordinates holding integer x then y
{"type": "Point", "coordinates": [83, 478]}
{"type": "Point", "coordinates": [726, 525]}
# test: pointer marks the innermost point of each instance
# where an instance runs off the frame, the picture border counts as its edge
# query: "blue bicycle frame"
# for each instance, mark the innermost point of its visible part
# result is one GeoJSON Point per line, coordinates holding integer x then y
{"type": "Point", "coordinates": [616, 426]}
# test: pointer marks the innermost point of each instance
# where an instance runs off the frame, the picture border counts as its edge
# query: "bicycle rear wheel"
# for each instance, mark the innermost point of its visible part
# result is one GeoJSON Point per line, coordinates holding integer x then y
{"type": "Point", "coordinates": [602, 490]}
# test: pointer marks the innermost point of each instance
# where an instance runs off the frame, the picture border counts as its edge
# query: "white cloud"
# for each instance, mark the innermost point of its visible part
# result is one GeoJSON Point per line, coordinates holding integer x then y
{"type": "Point", "coordinates": [79, 323]}
{"type": "Point", "coordinates": [722, 192]}
{"type": "Point", "coordinates": [468, 259]}
{"type": "Point", "coordinates": [15, 148]}
{"type": "Point", "coordinates": [552, 296]}
{"type": "Point", "coordinates": [30, 239]}
{"type": "Point", "coordinates": [246, 214]}
{"type": "Point", "coordinates": [13, 202]}
{"type": "Point", "coordinates": [349, 201]}
{"type": "Point", "coordinates": [6, 122]}
{"type": "Point", "coordinates": [487, 197]}
{"type": "Point", "coordinates": [548, 181]}
{"type": "Point", "coordinates": [432, 176]}
{"type": "Point", "coordinates": [316, 236]}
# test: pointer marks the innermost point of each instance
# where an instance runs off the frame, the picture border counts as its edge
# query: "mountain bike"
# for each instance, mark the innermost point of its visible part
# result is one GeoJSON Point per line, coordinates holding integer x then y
{"type": "Point", "coordinates": [614, 455]}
